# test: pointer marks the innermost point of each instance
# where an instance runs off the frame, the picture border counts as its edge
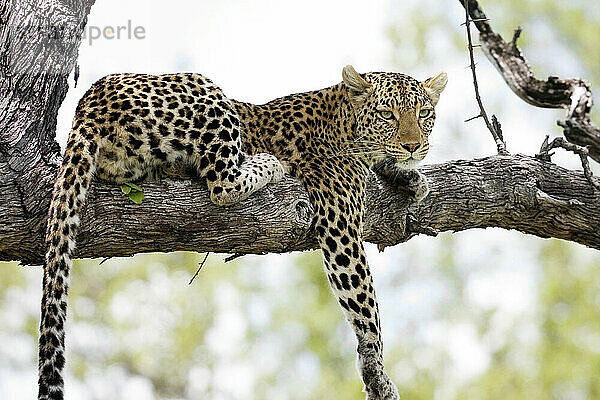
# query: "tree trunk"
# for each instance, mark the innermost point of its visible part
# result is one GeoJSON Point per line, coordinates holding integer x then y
{"type": "Point", "coordinates": [38, 50]}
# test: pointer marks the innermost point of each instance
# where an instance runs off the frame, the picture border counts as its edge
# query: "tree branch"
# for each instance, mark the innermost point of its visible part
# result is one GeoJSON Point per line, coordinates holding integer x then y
{"type": "Point", "coordinates": [582, 152]}
{"type": "Point", "coordinates": [493, 126]}
{"type": "Point", "coordinates": [517, 192]}
{"type": "Point", "coordinates": [574, 95]}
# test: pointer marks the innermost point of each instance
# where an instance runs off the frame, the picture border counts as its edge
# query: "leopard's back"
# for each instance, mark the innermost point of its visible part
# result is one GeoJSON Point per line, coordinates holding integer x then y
{"type": "Point", "coordinates": [142, 121]}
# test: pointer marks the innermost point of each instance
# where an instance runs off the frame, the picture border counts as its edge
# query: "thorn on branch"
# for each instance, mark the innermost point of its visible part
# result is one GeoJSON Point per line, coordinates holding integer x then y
{"type": "Point", "coordinates": [199, 268]}
{"type": "Point", "coordinates": [581, 151]}
{"type": "Point", "coordinates": [472, 118]}
{"type": "Point", "coordinates": [474, 20]}
{"type": "Point", "coordinates": [494, 125]}
{"type": "Point", "coordinates": [544, 153]}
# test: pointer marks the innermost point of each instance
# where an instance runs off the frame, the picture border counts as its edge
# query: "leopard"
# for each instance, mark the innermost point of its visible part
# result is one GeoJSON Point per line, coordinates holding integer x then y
{"type": "Point", "coordinates": [128, 127]}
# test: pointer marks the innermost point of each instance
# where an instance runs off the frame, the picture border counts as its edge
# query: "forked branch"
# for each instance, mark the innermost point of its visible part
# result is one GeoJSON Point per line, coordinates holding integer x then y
{"type": "Point", "coordinates": [573, 95]}
{"type": "Point", "coordinates": [582, 152]}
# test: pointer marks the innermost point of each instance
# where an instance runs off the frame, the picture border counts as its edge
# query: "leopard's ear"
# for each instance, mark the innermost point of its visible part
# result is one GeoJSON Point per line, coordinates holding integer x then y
{"type": "Point", "coordinates": [357, 87]}
{"type": "Point", "coordinates": [435, 86]}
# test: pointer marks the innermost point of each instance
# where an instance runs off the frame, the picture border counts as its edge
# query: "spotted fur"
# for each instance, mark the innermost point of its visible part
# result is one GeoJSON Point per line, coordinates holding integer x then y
{"type": "Point", "coordinates": [328, 138]}
{"type": "Point", "coordinates": [126, 128]}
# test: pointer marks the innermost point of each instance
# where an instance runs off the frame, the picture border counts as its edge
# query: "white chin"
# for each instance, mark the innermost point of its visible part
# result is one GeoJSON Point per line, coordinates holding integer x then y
{"type": "Point", "coordinates": [411, 163]}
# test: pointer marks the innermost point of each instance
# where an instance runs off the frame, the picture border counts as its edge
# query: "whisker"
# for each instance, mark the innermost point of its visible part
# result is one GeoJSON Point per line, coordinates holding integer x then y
{"type": "Point", "coordinates": [354, 152]}
{"type": "Point", "coordinates": [349, 153]}
{"type": "Point", "coordinates": [367, 142]}
{"type": "Point", "coordinates": [360, 140]}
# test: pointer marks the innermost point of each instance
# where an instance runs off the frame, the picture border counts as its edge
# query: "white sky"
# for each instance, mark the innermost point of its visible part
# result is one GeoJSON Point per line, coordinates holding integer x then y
{"type": "Point", "coordinates": [254, 50]}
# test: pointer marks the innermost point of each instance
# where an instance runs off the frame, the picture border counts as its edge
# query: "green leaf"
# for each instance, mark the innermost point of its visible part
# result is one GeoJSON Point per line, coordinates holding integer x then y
{"type": "Point", "coordinates": [125, 189]}
{"type": "Point", "coordinates": [136, 197]}
{"type": "Point", "coordinates": [134, 186]}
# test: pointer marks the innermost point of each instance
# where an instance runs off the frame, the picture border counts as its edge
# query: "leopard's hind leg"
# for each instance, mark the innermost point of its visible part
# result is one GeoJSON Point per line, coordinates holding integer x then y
{"type": "Point", "coordinates": [232, 176]}
{"type": "Point", "coordinates": [235, 184]}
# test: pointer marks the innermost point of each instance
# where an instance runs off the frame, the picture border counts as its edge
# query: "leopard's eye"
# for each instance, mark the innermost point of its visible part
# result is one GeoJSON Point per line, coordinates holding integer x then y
{"type": "Point", "coordinates": [425, 112]}
{"type": "Point", "coordinates": [386, 114]}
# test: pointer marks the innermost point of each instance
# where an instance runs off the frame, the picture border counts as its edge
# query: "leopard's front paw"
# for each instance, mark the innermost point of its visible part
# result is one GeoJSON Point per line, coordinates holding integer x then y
{"type": "Point", "coordinates": [378, 386]}
{"type": "Point", "coordinates": [408, 181]}
{"type": "Point", "coordinates": [418, 185]}
{"type": "Point", "coordinates": [381, 388]}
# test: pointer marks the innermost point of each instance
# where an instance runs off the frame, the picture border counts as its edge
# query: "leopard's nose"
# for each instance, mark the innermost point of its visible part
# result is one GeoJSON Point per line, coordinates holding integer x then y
{"type": "Point", "coordinates": [411, 147]}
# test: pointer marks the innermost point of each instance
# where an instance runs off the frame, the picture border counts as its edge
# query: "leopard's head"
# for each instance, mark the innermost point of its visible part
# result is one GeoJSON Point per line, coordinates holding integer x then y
{"type": "Point", "coordinates": [394, 114]}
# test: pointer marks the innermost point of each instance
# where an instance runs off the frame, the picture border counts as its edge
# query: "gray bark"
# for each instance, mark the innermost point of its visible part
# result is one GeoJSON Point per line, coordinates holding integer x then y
{"type": "Point", "coordinates": [512, 192]}
{"type": "Point", "coordinates": [38, 49]}
{"type": "Point", "coordinates": [573, 95]}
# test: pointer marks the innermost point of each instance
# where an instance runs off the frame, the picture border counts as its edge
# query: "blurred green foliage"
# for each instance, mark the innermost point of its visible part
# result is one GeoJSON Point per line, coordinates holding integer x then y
{"type": "Point", "coordinates": [564, 363]}
{"type": "Point", "coordinates": [269, 328]}
{"type": "Point", "coordinates": [574, 25]}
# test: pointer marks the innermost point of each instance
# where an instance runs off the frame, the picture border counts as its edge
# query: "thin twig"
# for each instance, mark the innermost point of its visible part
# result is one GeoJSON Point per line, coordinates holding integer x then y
{"type": "Point", "coordinates": [233, 257]}
{"type": "Point", "coordinates": [497, 135]}
{"type": "Point", "coordinates": [581, 151]}
{"type": "Point", "coordinates": [199, 268]}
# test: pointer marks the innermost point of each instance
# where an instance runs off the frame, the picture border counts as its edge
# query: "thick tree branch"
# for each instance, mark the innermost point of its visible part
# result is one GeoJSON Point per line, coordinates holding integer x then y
{"type": "Point", "coordinates": [516, 192]}
{"type": "Point", "coordinates": [574, 95]}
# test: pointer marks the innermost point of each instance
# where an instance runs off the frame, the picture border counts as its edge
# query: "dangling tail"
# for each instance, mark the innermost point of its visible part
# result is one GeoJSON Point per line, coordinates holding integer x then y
{"type": "Point", "coordinates": [68, 197]}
